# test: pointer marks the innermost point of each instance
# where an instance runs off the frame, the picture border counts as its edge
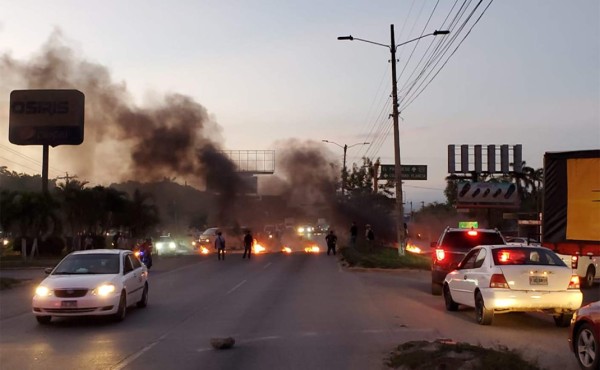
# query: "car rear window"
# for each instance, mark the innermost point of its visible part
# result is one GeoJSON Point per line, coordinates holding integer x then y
{"type": "Point", "coordinates": [526, 256]}
{"type": "Point", "coordinates": [467, 239]}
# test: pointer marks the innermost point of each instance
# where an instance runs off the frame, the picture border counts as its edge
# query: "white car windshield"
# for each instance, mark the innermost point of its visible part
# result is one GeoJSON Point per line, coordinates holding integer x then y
{"type": "Point", "coordinates": [76, 264]}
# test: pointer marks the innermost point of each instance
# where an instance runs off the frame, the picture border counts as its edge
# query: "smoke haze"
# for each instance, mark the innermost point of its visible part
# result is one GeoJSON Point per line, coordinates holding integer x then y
{"type": "Point", "coordinates": [122, 140]}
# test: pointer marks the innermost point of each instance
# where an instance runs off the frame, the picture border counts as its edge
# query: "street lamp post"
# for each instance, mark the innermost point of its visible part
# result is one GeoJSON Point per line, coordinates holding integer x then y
{"type": "Point", "coordinates": [401, 234]}
{"type": "Point", "coordinates": [344, 171]}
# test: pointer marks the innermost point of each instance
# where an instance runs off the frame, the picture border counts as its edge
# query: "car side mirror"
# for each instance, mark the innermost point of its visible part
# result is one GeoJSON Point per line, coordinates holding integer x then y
{"type": "Point", "coordinates": [48, 270]}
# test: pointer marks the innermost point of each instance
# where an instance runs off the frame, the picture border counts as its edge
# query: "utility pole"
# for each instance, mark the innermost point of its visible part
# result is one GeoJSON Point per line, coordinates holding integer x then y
{"type": "Point", "coordinates": [66, 178]}
{"type": "Point", "coordinates": [345, 176]}
{"type": "Point", "coordinates": [398, 167]}
{"type": "Point", "coordinates": [395, 114]}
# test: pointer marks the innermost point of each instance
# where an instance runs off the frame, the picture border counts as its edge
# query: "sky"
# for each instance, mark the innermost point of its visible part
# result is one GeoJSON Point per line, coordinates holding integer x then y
{"type": "Point", "coordinates": [267, 71]}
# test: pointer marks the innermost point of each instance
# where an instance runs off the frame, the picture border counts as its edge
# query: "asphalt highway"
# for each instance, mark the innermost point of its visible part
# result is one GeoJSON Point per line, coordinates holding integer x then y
{"type": "Point", "coordinates": [298, 311]}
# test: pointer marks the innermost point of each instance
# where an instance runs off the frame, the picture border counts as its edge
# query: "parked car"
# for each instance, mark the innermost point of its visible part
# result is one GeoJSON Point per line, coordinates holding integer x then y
{"type": "Point", "coordinates": [509, 278]}
{"type": "Point", "coordinates": [584, 336]}
{"type": "Point", "coordinates": [453, 245]}
{"type": "Point", "coordinates": [93, 282]}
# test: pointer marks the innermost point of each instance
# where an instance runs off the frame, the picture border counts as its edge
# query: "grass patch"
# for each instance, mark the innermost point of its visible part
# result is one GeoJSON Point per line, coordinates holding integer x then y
{"type": "Point", "coordinates": [418, 355]}
{"type": "Point", "coordinates": [7, 283]}
{"type": "Point", "coordinates": [387, 258]}
{"type": "Point", "coordinates": [17, 262]}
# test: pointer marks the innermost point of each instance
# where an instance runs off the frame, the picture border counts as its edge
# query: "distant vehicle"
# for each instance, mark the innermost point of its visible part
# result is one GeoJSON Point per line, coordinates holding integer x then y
{"type": "Point", "coordinates": [233, 238]}
{"type": "Point", "coordinates": [522, 240]}
{"type": "Point", "coordinates": [166, 245]}
{"type": "Point", "coordinates": [305, 230]}
{"type": "Point", "coordinates": [584, 336]}
{"type": "Point", "coordinates": [453, 245]}
{"type": "Point", "coordinates": [94, 282]}
{"type": "Point", "coordinates": [508, 278]}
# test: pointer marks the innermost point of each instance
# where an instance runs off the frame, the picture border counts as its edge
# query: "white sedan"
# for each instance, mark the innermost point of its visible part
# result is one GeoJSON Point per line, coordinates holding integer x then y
{"type": "Point", "coordinates": [510, 278]}
{"type": "Point", "coordinates": [92, 282]}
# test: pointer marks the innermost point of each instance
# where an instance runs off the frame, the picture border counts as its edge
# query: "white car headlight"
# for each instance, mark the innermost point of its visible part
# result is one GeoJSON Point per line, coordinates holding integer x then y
{"type": "Point", "coordinates": [300, 229]}
{"type": "Point", "coordinates": [159, 245]}
{"type": "Point", "coordinates": [172, 245]}
{"type": "Point", "coordinates": [42, 291]}
{"type": "Point", "coordinates": [104, 290]}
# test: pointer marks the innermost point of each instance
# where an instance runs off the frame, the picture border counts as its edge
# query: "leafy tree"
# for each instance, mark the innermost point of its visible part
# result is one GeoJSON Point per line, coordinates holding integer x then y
{"type": "Point", "coordinates": [142, 216]}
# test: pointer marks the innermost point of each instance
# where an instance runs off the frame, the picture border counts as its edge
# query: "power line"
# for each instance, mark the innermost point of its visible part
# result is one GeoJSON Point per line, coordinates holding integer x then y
{"type": "Point", "coordinates": [453, 52]}
{"type": "Point", "coordinates": [28, 158]}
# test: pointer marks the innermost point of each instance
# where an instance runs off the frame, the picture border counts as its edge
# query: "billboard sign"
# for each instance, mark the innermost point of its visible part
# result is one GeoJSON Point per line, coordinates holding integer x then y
{"type": "Point", "coordinates": [487, 195]}
{"type": "Point", "coordinates": [46, 117]}
{"type": "Point", "coordinates": [409, 172]}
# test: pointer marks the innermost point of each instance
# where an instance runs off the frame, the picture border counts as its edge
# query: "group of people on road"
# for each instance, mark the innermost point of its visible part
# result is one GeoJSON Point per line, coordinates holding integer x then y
{"type": "Point", "coordinates": [220, 245]}
{"type": "Point", "coordinates": [330, 239]}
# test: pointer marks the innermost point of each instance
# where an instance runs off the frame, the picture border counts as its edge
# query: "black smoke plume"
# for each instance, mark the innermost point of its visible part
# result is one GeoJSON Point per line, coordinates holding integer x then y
{"type": "Point", "coordinates": [174, 136]}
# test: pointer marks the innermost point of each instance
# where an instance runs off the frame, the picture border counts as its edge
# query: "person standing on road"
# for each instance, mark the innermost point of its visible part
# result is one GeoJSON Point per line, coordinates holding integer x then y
{"type": "Point", "coordinates": [220, 245]}
{"type": "Point", "coordinates": [248, 241]}
{"type": "Point", "coordinates": [331, 240]}
{"type": "Point", "coordinates": [370, 236]}
{"type": "Point", "coordinates": [353, 234]}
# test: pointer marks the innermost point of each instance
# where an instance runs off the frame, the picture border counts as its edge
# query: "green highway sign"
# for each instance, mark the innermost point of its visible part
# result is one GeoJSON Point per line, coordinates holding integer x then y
{"type": "Point", "coordinates": [468, 224]}
{"type": "Point", "coordinates": [409, 172]}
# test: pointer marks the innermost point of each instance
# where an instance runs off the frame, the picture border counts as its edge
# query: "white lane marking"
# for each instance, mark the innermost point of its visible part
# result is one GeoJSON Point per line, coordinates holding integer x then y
{"type": "Point", "coordinates": [179, 269]}
{"type": "Point", "coordinates": [268, 264]}
{"type": "Point", "coordinates": [326, 334]}
{"type": "Point", "coordinates": [135, 356]}
{"type": "Point", "coordinates": [235, 287]}
{"type": "Point", "coordinates": [271, 337]}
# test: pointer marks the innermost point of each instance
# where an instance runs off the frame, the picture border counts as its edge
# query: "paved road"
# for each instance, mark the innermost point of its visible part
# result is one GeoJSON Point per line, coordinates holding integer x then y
{"type": "Point", "coordinates": [285, 311]}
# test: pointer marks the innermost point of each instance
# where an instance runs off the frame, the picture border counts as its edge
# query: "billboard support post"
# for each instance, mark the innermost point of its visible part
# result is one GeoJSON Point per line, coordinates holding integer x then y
{"type": "Point", "coordinates": [45, 155]}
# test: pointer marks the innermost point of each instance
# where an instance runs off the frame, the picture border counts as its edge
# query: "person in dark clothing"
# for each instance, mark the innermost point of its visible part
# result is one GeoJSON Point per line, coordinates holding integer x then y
{"type": "Point", "coordinates": [248, 241]}
{"type": "Point", "coordinates": [353, 234]}
{"type": "Point", "coordinates": [370, 236]}
{"type": "Point", "coordinates": [220, 245]}
{"type": "Point", "coordinates": [331, 240]}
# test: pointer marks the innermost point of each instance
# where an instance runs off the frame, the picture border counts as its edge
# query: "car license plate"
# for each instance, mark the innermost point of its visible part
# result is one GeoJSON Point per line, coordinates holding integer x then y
{"type": "Point", "coordinates": [538, 280]}
{"type": "Point", "coordinates": [68, 304]}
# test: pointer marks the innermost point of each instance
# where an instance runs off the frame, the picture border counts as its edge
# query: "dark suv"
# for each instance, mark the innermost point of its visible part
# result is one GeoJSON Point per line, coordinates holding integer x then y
{"type": "Point", "coordinates": [452, 246]}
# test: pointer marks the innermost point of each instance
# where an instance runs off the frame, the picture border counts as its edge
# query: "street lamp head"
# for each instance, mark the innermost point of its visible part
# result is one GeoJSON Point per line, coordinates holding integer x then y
{"type": "Point", "coordinates": [346, 38]}
{"type": "Point", "coordinates": [441, 32]}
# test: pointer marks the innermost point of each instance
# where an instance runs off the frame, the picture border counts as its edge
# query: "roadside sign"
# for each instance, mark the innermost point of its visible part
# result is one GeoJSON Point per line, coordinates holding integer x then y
{"type": "Point", "coordinates": [46, 117]}
{"type": "Point", "coordinates": [408, 172]}
{"type": "Point", "coordinates": [468, 224]}
{"type": "Point", "coordinates": [530, 222]}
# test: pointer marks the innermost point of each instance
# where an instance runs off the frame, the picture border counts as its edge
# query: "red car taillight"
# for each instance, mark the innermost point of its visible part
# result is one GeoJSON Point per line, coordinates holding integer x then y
{"type": "Point", "coordinates": [440, 255]}
{"type": "Point", "coordinates": [498, 281]}
{"type": "Point", "coordinates": [574, 283]}
{"type": "Point", "coordinates": [574, 262]}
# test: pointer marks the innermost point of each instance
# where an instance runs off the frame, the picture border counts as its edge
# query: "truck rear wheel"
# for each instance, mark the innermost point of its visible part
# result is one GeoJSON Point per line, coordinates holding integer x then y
{"type": "Point", "coordinates": [588, 280]}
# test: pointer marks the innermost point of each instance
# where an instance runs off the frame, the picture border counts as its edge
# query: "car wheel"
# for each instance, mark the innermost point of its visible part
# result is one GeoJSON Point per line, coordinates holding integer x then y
{"type": "Point", "coordinates": [436, 289]}
{"type": "Point", "coordinates": [450, 304]}
{"type": "Point", "coordinates": [122, 310]}
{"type": "Point", "coordinates": [144, 300]}
{"type": "Point", "coordinates": [563, 320]}
{"type": "Point", "coordinates": [44, 320]}
{"type": "Point", "coordinates": [483, 315]}
{"type": "Point", "coordinates": [590, 274]}
{"type": "Point", "coordinates": [586, 348]}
